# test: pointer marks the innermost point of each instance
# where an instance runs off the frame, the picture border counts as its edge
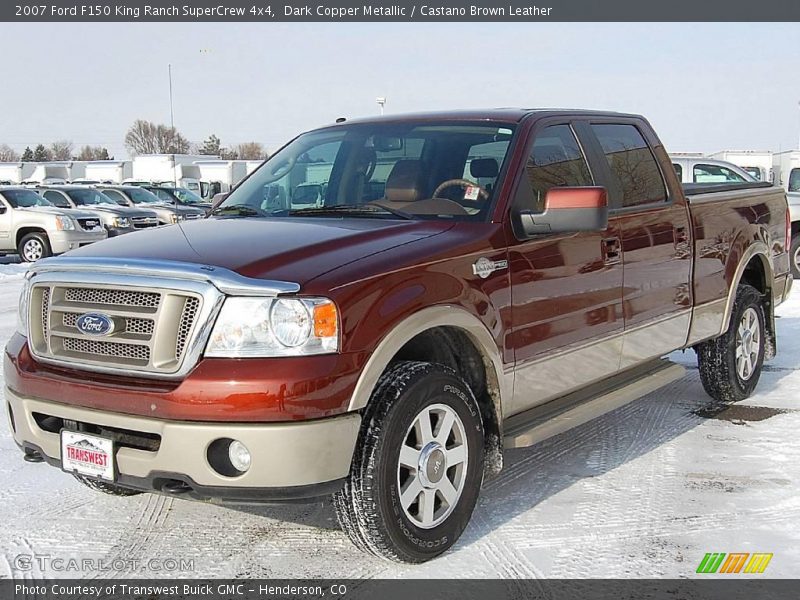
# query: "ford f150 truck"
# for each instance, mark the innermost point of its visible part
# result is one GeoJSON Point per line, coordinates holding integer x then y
{"type": "Point", "coordinates": [34, 228]}
{"type": "Point", "coordinates": [471, 281]}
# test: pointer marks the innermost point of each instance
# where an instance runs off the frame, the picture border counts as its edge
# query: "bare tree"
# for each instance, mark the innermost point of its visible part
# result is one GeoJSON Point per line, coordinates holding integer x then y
{"type": "Point", "coordinates": [93, 153]}
{"type": "Point", "coordinates": [8, 154]}
{"type": "Point", "coordinates": [61, 150]}
{"type": "Point", "coordinates": [251, 151]}
{"type": "Point", "coordinates": [146, 137]}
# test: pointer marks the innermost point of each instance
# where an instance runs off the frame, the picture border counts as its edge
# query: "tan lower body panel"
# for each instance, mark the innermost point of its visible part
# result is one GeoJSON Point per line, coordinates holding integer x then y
{"type": "Point", "coordinates": [595, 407]}
{"type": "Point", "coordinates": [283, 454]}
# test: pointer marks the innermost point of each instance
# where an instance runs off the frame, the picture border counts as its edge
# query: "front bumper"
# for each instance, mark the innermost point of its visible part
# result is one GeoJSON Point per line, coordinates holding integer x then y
{"type": "Point", "coordinates": [64, 241]}
{"type": "Point", "coordinates": [117, 231]}
{"type": "Point", "coordinates": [289, 460]}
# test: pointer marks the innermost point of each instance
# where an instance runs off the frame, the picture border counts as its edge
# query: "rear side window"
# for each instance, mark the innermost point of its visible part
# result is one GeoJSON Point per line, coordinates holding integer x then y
{"type": "Point", "coordinates": [632, 163]}
{"type": "Point", "coordinates": [555, 160]}
{"type": "Point", "coordinates": [715, 174]}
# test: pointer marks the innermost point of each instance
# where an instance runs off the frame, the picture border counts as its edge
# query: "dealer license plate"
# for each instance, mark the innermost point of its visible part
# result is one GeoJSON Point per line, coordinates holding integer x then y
{"type": "Point", "coordinates": [87, 455]}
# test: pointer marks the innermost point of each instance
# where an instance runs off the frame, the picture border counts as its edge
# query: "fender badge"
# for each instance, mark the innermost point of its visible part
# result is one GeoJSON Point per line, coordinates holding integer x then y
{"type": "Point", "coordinates": [484, 267]}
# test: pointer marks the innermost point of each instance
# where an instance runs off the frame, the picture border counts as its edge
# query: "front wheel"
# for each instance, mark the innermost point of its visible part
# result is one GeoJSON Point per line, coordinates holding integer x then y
{"type": "Point", "coordinates": [418, 465]}
{"type": "Point", "coordinates": [34, 246]}
{"type": "Point", "coordinates": [730, 365]}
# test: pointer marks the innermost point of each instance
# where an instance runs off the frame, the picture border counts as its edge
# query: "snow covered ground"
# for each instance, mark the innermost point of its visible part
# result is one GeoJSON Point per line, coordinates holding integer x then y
{"type": "Point", "coordinates": [643, 492]}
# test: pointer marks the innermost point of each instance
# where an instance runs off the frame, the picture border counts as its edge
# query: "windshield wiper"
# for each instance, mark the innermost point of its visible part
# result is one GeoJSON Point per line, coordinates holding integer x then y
{"type": "Point", "coordinates": [352, 209]}
{"type": "Point", "coordinates": [239, 210]}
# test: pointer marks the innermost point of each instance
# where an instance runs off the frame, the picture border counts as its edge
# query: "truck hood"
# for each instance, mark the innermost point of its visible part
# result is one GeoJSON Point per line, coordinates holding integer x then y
{"type": "Point", "coordinates": [296, 250]}
{"type": "Point", "coordinates": [54, 210]}
{"type": "Point", "coordinates": [120, 211]}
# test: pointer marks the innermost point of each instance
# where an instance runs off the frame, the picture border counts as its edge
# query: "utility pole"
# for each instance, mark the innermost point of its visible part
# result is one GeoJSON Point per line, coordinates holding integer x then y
{"type": "Point", "coordinates": [381, 100]}
{"type": "Point", "coordinates": [171, 113]}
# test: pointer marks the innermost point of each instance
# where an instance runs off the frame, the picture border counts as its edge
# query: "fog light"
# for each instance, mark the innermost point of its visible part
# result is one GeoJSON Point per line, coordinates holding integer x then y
{"type": "Point", "coordinates": [239, 456]}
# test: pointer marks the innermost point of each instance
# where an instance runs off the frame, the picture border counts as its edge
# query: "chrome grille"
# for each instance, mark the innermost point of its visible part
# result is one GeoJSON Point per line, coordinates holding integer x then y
{"type": "Point", "coordinates": [113, 297]}
{"type": "Point", "coordinates": [152, 327]}
{"type": "Point", "coordinates": [187, 320]}
{"type": "Point", "coordinates": [144, 222]}
{"type": "Point", "coordinates": [129, 351]}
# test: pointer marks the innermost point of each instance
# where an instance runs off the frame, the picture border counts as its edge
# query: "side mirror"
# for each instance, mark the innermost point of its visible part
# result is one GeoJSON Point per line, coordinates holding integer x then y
{"type": "Point", "coordinates": [567, 210]}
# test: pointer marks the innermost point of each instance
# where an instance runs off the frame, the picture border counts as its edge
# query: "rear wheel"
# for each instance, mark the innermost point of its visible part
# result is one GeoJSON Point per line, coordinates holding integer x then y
{"type": "Point", "coordinates": [34, 246]}
{"type": "Point", "coordinates": [418, 465]}
{"type": "Point", "coordinates": [794, 256]}
{"type": "Point", "coordinates": [730, 365]}
{"type": "Point", "coordinates": [104, 486]}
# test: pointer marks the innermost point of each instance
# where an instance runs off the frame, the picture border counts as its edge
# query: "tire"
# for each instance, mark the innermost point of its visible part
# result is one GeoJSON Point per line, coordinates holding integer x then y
{"type": "Point", "coordinates": [794, 256]}
{"type": "Point", "coordinates": [726, 376]}
{"type": "Point", "coordinates": [107, 488]}
{"type": "Point", "coordinates": [370, 507]}
{"type": "Point", "coordinates": [33, 247]}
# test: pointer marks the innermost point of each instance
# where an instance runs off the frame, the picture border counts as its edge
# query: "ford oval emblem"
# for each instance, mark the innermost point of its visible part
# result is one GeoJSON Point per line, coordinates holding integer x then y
{"type": "Point", "coordinates": [95, 324]}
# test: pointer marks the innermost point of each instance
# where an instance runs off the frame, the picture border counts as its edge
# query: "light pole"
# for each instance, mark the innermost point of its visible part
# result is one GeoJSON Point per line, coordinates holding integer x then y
{"type": "Point", "coordinates": [381, 100]}
{"type": "Point", "coordinates": [171, 113]}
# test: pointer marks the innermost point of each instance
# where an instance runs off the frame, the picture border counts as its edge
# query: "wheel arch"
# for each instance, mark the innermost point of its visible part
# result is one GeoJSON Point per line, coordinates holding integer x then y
{"type": "Point", "coordinates": [463, 328]}
{"type": "Point", "coordinates": [28, 229]}
{"type": "Point", "coordinates": [755, 268]}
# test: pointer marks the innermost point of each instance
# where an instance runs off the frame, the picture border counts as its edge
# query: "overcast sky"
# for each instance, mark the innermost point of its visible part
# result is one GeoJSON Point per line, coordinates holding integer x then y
{"type": "Point", "coordinates": [704, 87]}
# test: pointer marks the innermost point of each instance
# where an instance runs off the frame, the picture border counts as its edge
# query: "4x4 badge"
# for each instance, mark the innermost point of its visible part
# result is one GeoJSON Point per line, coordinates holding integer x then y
{"type": "Point", "coordinates": [483, 267]}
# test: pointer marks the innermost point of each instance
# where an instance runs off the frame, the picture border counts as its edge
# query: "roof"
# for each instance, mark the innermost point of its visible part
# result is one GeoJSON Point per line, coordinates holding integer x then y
{"type": "Point", "coordinates": [504, 115]}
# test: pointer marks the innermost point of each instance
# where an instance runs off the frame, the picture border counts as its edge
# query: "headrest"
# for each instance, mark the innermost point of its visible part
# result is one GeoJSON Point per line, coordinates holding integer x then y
{"type": "Point", "coordinates": [484, 167]}
{"type": "Point", "coordinates": [404, 183]}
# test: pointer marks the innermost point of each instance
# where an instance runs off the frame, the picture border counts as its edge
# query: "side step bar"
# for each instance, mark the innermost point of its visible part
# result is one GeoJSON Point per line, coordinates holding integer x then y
{"type": "Point", "coordinates": [562, 414]}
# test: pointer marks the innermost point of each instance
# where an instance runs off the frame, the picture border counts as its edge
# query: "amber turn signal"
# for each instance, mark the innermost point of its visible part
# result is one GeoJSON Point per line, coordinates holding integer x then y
{"type": "Point", "coordinates": [326, 321]}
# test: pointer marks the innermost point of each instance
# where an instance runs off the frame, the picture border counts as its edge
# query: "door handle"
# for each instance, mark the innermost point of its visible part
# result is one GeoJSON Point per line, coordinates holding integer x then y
{"type": "Point", "coordinates": [611, 250]}
{"type": "Point", "coordinates": [680, 235]}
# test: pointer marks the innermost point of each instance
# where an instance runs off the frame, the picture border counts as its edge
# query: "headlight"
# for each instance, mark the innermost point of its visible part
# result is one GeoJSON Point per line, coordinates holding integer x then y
{"type": "Point", "coordinates": [64, 223]}
{"type": "Point", "coordinates": [22, 312]}
{"type": "Point", "coordinates": [120, 223]}
{"type": "Point", "coordinates": [275, 327]}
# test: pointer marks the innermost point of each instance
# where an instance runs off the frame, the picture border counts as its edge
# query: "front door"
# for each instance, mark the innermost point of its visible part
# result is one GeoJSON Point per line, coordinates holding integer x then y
{"type": "Point", "coordinates": [566, 289]}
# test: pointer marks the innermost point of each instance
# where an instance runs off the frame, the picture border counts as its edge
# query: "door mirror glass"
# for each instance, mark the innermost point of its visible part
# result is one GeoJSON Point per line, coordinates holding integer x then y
{"type": "Point", "coordinates": [568, 210]}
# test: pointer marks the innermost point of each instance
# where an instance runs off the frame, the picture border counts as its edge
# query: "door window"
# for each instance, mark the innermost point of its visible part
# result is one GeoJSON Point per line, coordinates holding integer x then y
{"type": "Point", "coordinates": [632, 163]}
{"type": "Point", "coordinates": [57, 199]}
{"type": "Point", "coordinates": [556, 160]}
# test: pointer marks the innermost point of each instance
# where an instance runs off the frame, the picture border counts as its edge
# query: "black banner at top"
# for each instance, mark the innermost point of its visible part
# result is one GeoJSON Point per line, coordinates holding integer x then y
{"type": "Point", "coordinates": [399, 10]}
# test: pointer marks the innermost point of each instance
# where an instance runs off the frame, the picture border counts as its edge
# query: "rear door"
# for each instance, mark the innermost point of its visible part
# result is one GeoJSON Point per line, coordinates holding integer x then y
{"type": "Point", "coordinates": [656, 239]}
{"type": "Point", "coordinates": [6, 218]}
{"type": "Point", "coordinates": [566, 288]}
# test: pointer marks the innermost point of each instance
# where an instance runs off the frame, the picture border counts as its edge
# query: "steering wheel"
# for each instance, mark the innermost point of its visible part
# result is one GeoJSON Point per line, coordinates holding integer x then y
{"type": "Point", "coordinates": [483, 194]}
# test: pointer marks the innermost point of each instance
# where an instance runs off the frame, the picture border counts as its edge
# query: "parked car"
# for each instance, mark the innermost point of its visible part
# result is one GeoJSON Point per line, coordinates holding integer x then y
{"type": "Point", "coordinates": [115, 218]}
{"type": "Point", "coordinates": [136, 196]}
{"type": "Point", "coordinates": [386, 350]}
{"type": "Point", "coordinates": [179, 196]}
{"type": "Point", "coordinates": [33, 228]}
{"type": "Point", "coordinates": [708, 170]}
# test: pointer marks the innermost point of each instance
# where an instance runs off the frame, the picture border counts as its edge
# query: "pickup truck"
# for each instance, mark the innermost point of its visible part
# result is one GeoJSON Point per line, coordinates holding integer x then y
{"type": "Point", "coordinates": [34, 228]}
{"type": "Point", "coordinates": [116, 219]}
{"type": "Point", "coordinates": [473, 281]}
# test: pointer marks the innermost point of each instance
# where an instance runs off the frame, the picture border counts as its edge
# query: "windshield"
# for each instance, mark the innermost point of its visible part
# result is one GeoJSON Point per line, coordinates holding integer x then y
{"type": "Point", "coordinates": [187, 196]}
{"type": "Point", "coordinates": [24, 198]}
{"type": "Point", "coordinates": [424, 170]}
{"type": "Point", "coordinates": [142, 196]}
{"type": "Point", "coordinates": [89, 197]}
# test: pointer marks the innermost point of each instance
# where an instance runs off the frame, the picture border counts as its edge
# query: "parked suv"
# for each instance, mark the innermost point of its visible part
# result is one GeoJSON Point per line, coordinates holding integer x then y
{"type": "Point", "coordinates": [179, 196]}
{"type": "Point", "coordinates": [136, 196]}
{"type": "Point", "coordinates": [116, 219]}
{"type": "Point", "coordinates": [34, 228]}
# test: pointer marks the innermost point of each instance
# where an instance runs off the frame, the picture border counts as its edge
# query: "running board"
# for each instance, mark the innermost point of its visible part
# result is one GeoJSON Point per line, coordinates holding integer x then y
{"type": "Point", "coordinates": [562, 414]}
